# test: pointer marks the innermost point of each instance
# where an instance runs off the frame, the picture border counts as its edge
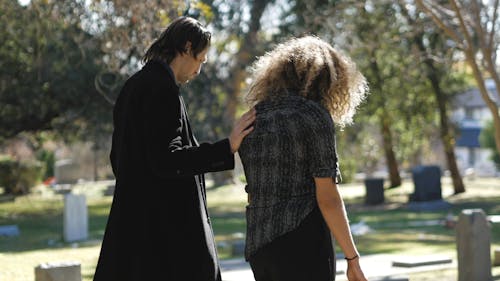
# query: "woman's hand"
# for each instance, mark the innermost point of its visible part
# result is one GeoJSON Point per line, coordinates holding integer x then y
{"type": "Point", "coordinates": [354, 272]}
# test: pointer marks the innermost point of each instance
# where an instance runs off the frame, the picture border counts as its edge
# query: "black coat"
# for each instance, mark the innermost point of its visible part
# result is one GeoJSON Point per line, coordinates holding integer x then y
{"type": "Point", "coordinates": [158, 227]}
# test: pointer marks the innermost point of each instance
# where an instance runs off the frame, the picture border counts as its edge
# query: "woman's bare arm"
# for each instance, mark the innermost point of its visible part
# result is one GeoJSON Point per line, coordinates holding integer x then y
{"type": "Point", "coordinates": [332, 208]}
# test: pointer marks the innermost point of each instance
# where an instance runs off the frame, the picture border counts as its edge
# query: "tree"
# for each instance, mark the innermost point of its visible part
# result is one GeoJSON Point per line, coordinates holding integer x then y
{"type": "Point", "coordinates": [487, 139]}
{"type": "Point", "coordinates": [369, 31]}
{"type": "Point", "coordinates": [473, 25]}
{"type": "Point", "coordinates": [429, 44]}
{"type": "Point", "coordinates": [236, 42]}
{"type": "Point", "coordinates": [47, 66]}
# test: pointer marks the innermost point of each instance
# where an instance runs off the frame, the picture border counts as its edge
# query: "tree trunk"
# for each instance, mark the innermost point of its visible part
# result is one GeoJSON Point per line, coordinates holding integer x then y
{"type": "Point", "coordinates": [243, 58]}
{"type": "Point", "coordinates": [392, 164]}
{"type": "Point", "coordinates": [484, 93]}
{"type": "Point", "coordinates": [447, 136]}
{"type": "Point", "coordinates": [384, 118]}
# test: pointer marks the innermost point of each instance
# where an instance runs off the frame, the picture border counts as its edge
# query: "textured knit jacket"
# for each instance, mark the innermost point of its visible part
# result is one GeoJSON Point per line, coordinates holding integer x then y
{"type": "Point", "coordinates": [293, 141]}
{"type": "Point", "coordinates": [158, 227]}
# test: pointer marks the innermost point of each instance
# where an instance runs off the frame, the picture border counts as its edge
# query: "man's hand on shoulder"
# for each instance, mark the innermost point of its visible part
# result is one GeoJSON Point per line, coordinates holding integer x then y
{"type": "Point", "coordinates": [241, 129]}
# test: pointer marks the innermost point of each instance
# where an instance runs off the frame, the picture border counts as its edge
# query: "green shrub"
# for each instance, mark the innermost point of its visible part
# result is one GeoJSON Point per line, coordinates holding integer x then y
{"type": "Point", "coordinates": [19, 177]}
{"type": "Point", "coordinates": [48, 158]}
{"type": "Point", "coordinates": [487, 140]}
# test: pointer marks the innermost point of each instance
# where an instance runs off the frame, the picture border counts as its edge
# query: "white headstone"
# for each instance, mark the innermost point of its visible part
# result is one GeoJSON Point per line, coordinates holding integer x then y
{"type": "Point", "coordinates": [473, 246]}
{"type": "Point", "coordinates": [75, 217]}
{"type": "Point", "coordinates": [61, 271]}
{"type": "Point", "coordinates": [67, 171]}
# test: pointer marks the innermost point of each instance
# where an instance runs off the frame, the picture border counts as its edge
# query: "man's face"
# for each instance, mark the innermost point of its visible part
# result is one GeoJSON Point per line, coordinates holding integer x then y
{"type": "Point", "coordinates": [191, 65]}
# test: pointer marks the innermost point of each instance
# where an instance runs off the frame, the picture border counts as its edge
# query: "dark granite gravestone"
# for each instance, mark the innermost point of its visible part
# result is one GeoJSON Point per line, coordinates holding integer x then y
{"type": "Point", "coordinates": [427, 181]}
{"type": "Point", "coordinates": [238, 248]}
{"type": "Point", "coordinates": [374, 188]}
{"type": "Point", "coordinates": [9, 230]}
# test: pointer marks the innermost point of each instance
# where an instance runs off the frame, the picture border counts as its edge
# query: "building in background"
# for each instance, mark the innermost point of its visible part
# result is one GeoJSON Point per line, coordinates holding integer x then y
{"type": "Point", "coordinates": [470, 114]}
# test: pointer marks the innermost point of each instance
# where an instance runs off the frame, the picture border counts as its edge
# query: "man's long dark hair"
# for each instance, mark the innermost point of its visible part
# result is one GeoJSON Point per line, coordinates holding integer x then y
{"type": "Point", "coordinates": [173, 40]}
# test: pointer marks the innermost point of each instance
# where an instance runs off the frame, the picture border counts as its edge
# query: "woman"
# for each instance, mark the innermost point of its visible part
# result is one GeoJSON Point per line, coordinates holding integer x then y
{"type": "Point", "coordinates": [299, 89]}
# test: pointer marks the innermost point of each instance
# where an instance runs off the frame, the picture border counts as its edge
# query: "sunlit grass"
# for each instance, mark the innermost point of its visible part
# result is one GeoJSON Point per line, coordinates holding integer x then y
{"type": "Point", "coordinates": [39, 218]}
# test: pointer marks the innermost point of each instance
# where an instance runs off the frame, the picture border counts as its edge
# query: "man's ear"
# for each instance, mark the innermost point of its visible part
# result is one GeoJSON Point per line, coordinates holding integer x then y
{"type": "Point", "coordinates": [187, 47]}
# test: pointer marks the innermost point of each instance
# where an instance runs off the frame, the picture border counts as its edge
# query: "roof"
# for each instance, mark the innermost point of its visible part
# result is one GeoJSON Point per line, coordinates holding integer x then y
{"type": "Point", "coordinates": [473, 98]}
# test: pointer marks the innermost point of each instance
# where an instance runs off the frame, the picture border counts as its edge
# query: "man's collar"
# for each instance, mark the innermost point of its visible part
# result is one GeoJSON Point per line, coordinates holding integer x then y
{"type": "Point", "coordinates": [170, 71]}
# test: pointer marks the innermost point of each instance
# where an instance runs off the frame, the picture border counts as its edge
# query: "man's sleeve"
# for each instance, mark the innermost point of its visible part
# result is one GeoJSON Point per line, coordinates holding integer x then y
{"type": "Point", "coordinates": [166, 155]}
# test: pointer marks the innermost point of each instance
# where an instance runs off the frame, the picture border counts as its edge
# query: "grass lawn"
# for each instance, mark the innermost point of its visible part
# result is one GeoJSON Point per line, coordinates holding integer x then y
{"type": "Point", "coordinates": [394, 228]}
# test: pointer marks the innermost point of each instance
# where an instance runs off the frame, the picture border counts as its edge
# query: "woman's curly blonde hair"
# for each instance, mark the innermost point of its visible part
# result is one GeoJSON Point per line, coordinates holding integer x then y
{"type": "Point", "coordinates": [314, 69]}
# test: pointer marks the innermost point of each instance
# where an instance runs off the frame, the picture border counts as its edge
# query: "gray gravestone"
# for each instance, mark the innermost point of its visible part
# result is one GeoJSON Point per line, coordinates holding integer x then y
{"type": "Point", "coordinates": [66, 171]}
{"type": "Point", "coordinates": [427, 181]}
{"type": "Point", "coordinates": [62, 271]}
{"type": "Point", "coordinates": [496, 260]}
{"type": "Point", "coordinates": [374, 191]}
{"type": "Point", "coordinates": [75, 218]}
{"type": "Point", "coordinates": [392, 279]}
{"type": "Point", "coordinates": [420, 261]}
{"type": "Point", "coordinates": [473, 246]}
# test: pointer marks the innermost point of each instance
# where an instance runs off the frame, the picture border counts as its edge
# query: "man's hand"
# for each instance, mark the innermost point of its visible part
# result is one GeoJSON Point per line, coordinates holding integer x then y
{"type": "Point", "coordinates": [241, 129]}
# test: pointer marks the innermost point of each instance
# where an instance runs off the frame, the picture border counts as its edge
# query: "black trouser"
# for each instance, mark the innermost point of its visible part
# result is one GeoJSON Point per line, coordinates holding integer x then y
{"type": "Point", "coordinates": [304, 254]}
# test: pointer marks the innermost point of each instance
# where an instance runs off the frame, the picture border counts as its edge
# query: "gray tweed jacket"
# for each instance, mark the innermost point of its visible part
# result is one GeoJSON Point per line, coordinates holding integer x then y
{"type": "Point", "coordinates": [293, 141]}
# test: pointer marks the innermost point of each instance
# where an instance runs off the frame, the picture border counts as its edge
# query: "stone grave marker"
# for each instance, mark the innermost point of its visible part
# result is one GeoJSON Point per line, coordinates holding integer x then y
{"type": "Point", "coordinates": [238, 248]}
{"type": "Point", "coordinates": [496, 260]}
{"type": "Point", "coordinates": [427, 193]}
{"type": "Point", "coordinates": [403, 278]}
{"type": "Point", "coordinates": [420, 261]}
{"type": "Point", "coordinates": [9, 230]}
{"type": "Point", "coordinates": [67, 171]}
{"type": "Point", "coordinates": [75, 217]}
{"type": "Point", "coordinates": [58, 271]}
{"type": "Point", "coordinates": [473, 236]}
{"type": "Point", "coordinates": [427, 181]}
{"type": "Point", "coordinates": [374, 191]}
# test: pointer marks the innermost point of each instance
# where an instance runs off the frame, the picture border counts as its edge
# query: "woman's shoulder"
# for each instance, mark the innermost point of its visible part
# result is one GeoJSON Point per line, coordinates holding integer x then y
{"type": "Point", "coordinates": [294, 103]}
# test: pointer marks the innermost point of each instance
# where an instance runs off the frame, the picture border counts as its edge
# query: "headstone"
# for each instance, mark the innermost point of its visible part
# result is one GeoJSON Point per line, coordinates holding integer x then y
{"type": "Point", "coordinates": [403, 278]}
{"type": "Point", "coordinates": [420, 261]}
{"type": "Point", "coordinates": [427, 181]}
{"type": "Point", "coordinates": [238, 248]}
{"type": "Point", "coordinates": [75, 217]}
{"type": "Point", "coordinates": [436, 205]}
{"type": "Point", "coordinates": [62, 271]}
{"type": "Point", "coordinates": [374, 188]}
{"type": "Point", "coordinates": [110, 190]}
{"type": "Point", "coordinates": [496, 261]}
{"type": "Point", "coordinates": [66, 171]}
{"type": "Point", "coordinates": [9, 230]}
{"type": "Point", "coordinates": [473, 246]}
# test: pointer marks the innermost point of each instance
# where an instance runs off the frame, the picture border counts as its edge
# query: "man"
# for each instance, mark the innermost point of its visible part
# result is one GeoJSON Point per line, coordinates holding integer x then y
{"type": "Point", "coordinates": [158, 227]}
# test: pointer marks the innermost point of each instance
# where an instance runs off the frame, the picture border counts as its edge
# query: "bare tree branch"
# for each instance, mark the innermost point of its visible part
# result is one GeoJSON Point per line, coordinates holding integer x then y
{"type": "Point", "coordinates": [437, 19]}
